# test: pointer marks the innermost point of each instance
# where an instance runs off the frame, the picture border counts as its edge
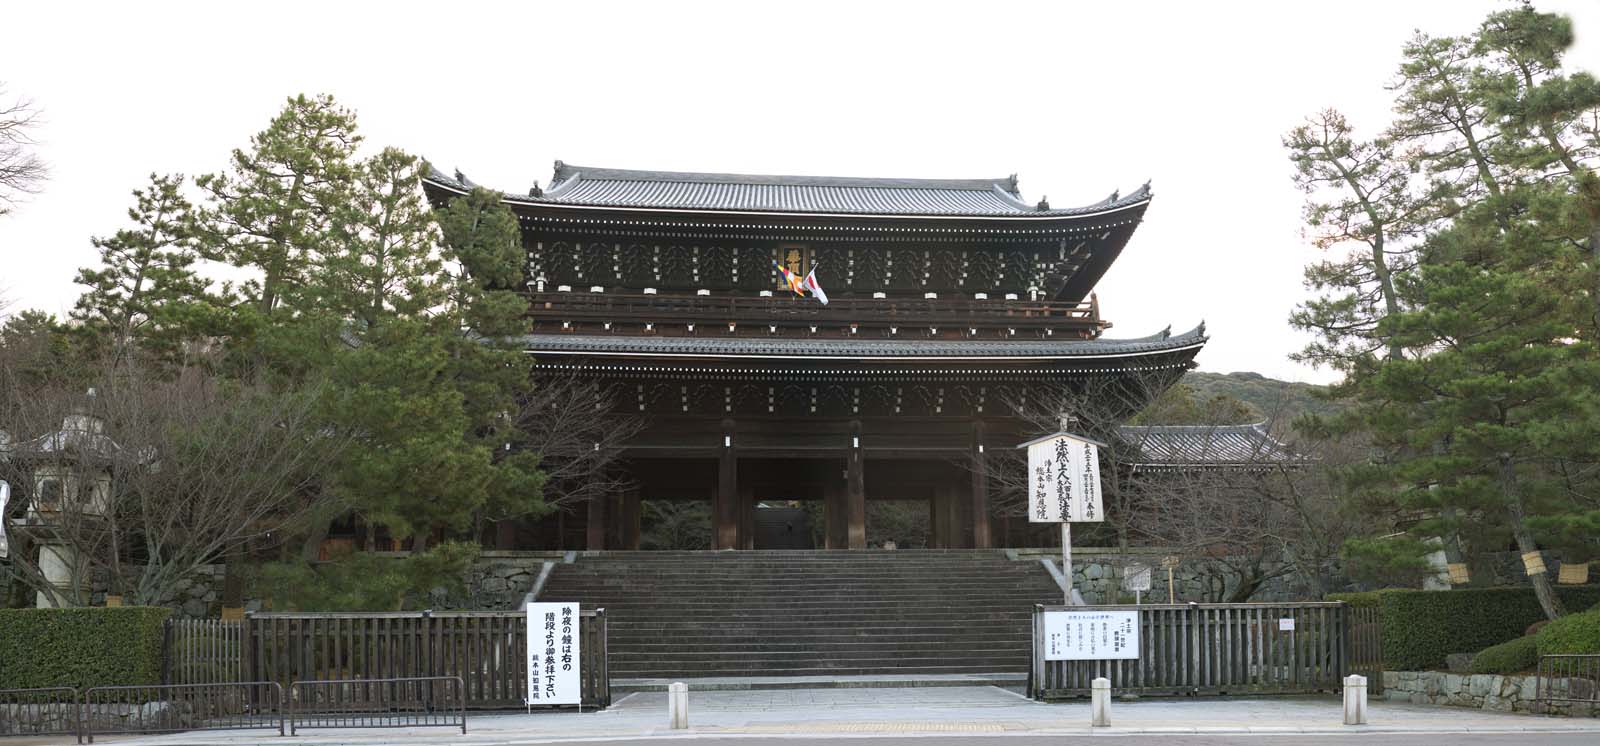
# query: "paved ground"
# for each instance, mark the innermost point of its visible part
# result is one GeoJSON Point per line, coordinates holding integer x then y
{"type": "Point", "coordinates": [976, 714]}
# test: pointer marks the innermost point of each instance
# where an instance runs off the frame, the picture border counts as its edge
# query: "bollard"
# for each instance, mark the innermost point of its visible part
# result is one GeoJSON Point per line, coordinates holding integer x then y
{"type": "Point", "coordinates": [1355, 700]}
{"type": "Point", "coordinates": [678, 704]}
{"type": "Point", "coordinates": [1100, 702]}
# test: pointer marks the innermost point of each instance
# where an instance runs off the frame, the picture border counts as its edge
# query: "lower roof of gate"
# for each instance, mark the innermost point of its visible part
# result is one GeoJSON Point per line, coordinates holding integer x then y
{"type": "Point", "coordinates": [755, 348]}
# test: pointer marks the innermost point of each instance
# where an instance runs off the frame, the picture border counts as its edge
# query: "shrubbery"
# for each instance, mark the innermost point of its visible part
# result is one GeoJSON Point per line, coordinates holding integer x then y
{"type": "Point", "coordinates": [81, 647]}
{"type": "Point", "coordinates": [1420, 628]}
{"type": "Point", "coordinates": [1573, 633]}
{"type": "Point", "coordinates": [367, 582]}
{"type": "Point", "coordinates": [1521, 654]}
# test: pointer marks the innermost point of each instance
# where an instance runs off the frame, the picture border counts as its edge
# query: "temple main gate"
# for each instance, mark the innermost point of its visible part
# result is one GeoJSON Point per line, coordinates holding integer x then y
{"type": "Point", "coordinates": [953, 304]}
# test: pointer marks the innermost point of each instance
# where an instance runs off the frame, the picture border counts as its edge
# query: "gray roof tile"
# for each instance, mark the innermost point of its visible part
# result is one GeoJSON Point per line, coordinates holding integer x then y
{"type": "Point", "coordinates": [1205, 444]}
{"type": "Point", "coordinates": [610, 187]}
{"type": "Point", "coordinates": [735, 347]}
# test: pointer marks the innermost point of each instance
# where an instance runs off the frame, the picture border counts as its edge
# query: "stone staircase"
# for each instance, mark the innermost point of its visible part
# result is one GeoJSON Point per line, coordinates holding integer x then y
{"type": "Point", "coordinates": [809, 613]}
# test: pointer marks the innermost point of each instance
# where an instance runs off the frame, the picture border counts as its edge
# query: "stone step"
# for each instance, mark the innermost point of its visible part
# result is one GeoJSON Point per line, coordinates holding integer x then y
{"type": "Point", "coordinates": [810, 613]}
{"type": "Point", "coordinates": [902, 668]}
{"type": "Point", "coordinates": [621, 686]}
{"type": "Point", "coordinates": [709, 652]}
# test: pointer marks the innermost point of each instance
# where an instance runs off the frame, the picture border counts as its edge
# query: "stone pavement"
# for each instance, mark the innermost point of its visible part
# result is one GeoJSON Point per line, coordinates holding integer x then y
{"type": "Point", "coordinates": [977, 711]}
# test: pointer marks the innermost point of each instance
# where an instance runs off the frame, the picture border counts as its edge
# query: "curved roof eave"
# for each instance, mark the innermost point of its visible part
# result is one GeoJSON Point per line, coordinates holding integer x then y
{"type": "Point", "coordinates": [1138, 198]}
{"type": "Point", "coordinates": [734, 348]}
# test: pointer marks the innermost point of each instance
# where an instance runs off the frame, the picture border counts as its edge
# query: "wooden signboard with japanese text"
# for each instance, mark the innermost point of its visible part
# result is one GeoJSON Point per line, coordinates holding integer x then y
{"type": "Point", "coordinates": [1064, 480]}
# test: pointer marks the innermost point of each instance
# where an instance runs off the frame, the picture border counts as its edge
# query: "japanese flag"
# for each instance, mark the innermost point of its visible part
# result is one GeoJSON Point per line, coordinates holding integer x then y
{"type": "Point", "coordinates": [810, 283]}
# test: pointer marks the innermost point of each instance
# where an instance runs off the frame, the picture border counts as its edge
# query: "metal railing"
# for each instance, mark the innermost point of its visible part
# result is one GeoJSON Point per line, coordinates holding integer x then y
{"type": "Point", "coordinates": [405, 702]}
{"type": "Point", "coordinates": [1566, 680]}
{"type": "Point", "coordinates": [48, 711]}
{"type": "Point", "coordinates": [165, 708]}
{"type": "Point", "coordinates": [781, 309]}
{"type": "Point", "coordinates": [1187, 649]}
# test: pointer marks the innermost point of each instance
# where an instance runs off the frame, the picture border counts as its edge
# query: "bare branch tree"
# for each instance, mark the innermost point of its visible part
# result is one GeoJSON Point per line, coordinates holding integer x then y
{"type": "Point", "coordinates": [1248, 504]}
{"type": "Point", "coordinates": [152, 478]}
{"type": "Point", "coordinates": [577, 432]}
{"type": "Point", "coordinates": [1243, 518]}
{"type": "Point", "coordinates": [22, 171]}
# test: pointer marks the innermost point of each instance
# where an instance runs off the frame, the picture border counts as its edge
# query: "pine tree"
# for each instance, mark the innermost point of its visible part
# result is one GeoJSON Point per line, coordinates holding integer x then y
{"type": "Point", "coordinates": [1357, 195]}
{"type": "Point", "coordinates": [1505, 397]}
{"type": "Point", "coordinates": [273, 211]}
{"type": "Point", "coordinates": [145, 293]}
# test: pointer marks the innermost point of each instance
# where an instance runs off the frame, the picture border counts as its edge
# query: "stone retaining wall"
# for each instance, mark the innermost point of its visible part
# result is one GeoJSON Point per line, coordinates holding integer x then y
{"type": "Point", "coordinates": [1487, 691]}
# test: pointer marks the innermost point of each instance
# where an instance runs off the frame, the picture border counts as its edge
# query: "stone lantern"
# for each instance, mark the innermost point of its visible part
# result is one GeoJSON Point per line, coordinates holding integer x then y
{"type": "Point", "coordinates": [69, 471]}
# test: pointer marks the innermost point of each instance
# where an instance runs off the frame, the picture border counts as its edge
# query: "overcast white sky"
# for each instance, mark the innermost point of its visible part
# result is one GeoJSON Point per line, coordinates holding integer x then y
{"type": "Point", "coordinates": [1077, 98]}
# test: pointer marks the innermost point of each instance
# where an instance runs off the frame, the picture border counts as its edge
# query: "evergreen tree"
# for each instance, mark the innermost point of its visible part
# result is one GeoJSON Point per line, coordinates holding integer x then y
{"type": "Point", "coordinates": [1482, 425]}
{"type": "Point", "coordinates": [145, 293]}
{"type": "Point", "coordinates": [273, 211]}
{"type": "Point", "coordinates": [1484, 405]}
{"type": "Point", "coordinates": [1443, 118]}
{"type": "Point", "coordinates": [1357, 195]}
{"type": "Point", "coordinates": [1548, 119]}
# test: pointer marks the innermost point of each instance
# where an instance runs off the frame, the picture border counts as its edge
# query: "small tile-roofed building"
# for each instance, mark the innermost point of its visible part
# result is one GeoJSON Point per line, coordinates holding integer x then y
{"type": "Point", "coordinates": [1162, 447]}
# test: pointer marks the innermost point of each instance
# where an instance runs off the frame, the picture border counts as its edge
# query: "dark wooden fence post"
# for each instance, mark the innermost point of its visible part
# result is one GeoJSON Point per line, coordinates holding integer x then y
{"type": "Point", "coordinates": [167, 652]}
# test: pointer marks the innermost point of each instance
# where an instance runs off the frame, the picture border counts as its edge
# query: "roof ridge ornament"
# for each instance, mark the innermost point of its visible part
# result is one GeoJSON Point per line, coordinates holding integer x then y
{"type": "Point", "coordinates": [1044, 204]}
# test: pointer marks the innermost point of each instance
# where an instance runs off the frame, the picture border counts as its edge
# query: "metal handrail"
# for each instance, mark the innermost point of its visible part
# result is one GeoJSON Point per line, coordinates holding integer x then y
{"type": "Point", "coordinates": [20, 703]}
{"type": "Point", "coordinates": [777, 308]}
{"type": "Point", "coordinates": [249, 712]}
{"type": "Point", "coordinates": [1566, 668]}
{"type": "Point", "coordinates": [384, 711]}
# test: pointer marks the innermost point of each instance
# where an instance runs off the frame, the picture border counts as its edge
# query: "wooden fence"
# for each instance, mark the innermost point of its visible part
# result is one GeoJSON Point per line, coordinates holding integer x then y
{"type": "Point", "coordinates": [486, 649]}
{"type": "Point", "coordinates": [1366, 646]}
{"type": "Point", "coordinates": [1187, 649]}
{"type": "Point", "coordinates": [202, 651]}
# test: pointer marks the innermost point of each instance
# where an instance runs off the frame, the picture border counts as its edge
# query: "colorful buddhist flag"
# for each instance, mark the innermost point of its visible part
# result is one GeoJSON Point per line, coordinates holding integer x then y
{"type": "Point", "coordinates": [790, 280]}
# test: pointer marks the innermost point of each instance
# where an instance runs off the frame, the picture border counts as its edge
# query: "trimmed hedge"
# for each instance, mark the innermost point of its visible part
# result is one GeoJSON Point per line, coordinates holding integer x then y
{"type": "Point", "coordinates": [1573, 633]}
{"type": "Point", "coordinates": [1521, 654]}
{"type": "Point", "coordinates": [81, 647]}
{"type": "Point", "coordinates": [1420, 628]}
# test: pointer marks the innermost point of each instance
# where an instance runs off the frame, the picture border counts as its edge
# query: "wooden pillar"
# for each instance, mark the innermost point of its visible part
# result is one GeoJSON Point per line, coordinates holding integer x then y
{"type": "Point", "coordinates": [935, 521]}
{"type": "Point", "coordinates": [631, 514]}
{"type": "Point", "coordinates": [948, 511]}
{"type": "Point", "coordinates": [833, 515]}
{"type": "Point", "coordinates": [505, 535]}
{"type": "Point", "coordinates": [747, 516]}
{"type": "Point", "coordinates": [981, 536]}
{"type": "Point", "coordinates": [726, 507]}
{"type": "Point", "coordinates": [597, 523]}
{"type": "Point", "coordinates": [856, 491]}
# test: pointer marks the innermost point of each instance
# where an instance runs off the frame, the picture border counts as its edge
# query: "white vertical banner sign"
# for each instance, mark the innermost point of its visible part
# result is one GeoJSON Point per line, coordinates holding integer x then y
{"type": "Point", "coordinates": [1064, 480]}
{"type": "Point", "coordinates": [553, 654]}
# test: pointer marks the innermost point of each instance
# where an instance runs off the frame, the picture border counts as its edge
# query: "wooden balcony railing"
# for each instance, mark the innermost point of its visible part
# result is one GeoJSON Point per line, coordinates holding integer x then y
{"type": "Point", "coordinates": [790, 311]}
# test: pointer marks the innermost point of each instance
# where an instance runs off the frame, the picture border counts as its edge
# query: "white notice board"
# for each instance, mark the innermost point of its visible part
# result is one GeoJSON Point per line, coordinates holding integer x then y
{"type": "Point", "coordinates": [1064, 480]}
{"type": "Point", "coordinates": [553, 654]}
{"type": "Point", "coordinates": [1091, 635]}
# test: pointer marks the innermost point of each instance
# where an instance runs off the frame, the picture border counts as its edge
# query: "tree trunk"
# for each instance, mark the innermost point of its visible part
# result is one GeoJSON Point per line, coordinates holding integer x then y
{"type": "Point", "coordinates": [1548, 600]}
{"type": "Point", "coordinates": [311, 550]}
